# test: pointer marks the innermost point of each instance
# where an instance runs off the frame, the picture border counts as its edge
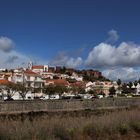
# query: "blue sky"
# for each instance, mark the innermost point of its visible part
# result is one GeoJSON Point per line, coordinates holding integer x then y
{"type": "Point", "coordinates": [65, 32]}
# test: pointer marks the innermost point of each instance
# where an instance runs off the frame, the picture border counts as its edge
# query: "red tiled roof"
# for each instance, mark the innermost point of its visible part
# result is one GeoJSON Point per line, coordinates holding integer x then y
{"type": "Point", "coordinates": [58, 82]}
{"type": "Point", "coordinates": [38, 67]}
{"type": "Point", "coordinates": [29, 72]}
{"type": "Point", "coordinates": [4, 82]}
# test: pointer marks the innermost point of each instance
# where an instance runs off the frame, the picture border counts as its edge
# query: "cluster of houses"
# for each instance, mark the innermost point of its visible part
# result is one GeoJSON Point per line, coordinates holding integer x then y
{"type": "Point", "coordinates": [40, 76]}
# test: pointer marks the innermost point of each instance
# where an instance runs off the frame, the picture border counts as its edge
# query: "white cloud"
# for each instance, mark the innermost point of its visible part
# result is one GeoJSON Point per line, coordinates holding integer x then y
{"type": "Point", "coordinates": [74, 62]}
{"type": "Point", "coordinates": [63, 59]}
{"type": "Point", "coordinates": [60, 59]}
{"type": "Point", "coordinates": [6, 44]}
{"type": "Point", "coordinates": [105, 55]}
{"type": "Point", "coordinates": [126, 74]}
{"type": "Point", "coordinates": [113, 36]}
{"type": "Point", "coordinates": [10, 58]}
{"type": "Point", "coordinates": [116, 61]}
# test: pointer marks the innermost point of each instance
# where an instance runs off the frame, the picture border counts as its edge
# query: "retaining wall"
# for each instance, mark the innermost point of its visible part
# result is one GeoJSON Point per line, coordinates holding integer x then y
{"type": "Point", "coordinates": [60, 105]}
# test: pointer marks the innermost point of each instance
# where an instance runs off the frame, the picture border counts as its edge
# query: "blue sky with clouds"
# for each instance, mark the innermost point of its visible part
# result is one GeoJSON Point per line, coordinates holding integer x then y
{"type": "Point", "coordinates": [99, 34]}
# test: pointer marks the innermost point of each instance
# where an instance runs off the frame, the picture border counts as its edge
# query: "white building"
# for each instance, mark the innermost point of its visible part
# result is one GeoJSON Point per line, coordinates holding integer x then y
{"type": "Point", "coordinates": [40, 68]}
{"type": "Point", "coordinates": [29, 79]}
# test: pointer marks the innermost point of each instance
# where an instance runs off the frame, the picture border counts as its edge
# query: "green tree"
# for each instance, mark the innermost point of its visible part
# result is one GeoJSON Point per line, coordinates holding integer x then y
{"type": "Point", "coordinates": [125, 89]}
{"type": "Point", "coordinates": [80, 90]}
{"type": "Point", "coordinates": [139, 81]}
{"type": "Point", "coordinates": [74, 89]}
{"type": "Point", "coordinates": [55, 89]}
{"type": "Point", "coordinates": [130, 84]}
{"type": "Point", "coordinates": [135, 83]}
{"type": "Point", "coordinates": [63, 69]}
{"type": "Point", "coordinates": [49, 90]}
{"type": "Point", "coordinates": [60, 89]}
{"type": "Point", "coordinates": [93, 93]}
{"type": "Point", "coordinates": [119, 82]}
{"type": "Point", "coordinates": [112, 91]}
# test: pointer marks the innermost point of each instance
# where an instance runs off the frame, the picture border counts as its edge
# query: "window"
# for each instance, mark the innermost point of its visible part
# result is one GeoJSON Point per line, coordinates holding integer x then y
{"type": "Point", "coordinates": [28, 77]}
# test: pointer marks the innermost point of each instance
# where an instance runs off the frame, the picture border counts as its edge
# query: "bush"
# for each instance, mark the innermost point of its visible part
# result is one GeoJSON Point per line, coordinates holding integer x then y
{"type": "Point", "coordinates": [70, 132]}
{"type": "Point", "coordinates": [90, 130]}
{"type": "Point", "coordinates": [123, 129]}
{"type": "Point", "coordinates": [61, 133]}
{"type": "Point", "coordinates": [135, 126]}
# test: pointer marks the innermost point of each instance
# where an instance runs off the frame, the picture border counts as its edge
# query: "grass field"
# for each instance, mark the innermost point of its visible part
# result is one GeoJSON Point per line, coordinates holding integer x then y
{"type": "Point", "coordinates": [88, 125]}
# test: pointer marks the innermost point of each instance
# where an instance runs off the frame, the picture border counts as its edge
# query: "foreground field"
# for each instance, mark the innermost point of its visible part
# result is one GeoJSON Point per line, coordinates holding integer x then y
{"type": "Point", "coordinates": [103, 125]}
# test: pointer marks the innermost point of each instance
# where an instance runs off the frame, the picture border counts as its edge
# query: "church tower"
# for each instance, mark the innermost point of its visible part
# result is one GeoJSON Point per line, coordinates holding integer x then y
{"type": "Point", "coordinates": [30, 64]}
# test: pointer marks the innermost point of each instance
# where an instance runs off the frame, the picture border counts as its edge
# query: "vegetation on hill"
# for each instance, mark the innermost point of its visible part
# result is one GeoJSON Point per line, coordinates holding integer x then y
{"type": "Point", "coordinates": [88, 74]}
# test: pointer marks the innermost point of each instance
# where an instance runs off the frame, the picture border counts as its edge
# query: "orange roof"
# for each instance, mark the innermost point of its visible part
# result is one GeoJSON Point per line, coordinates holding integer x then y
{"type": "Point", "coordinates": [4, 82]}
{"type": "Point", "coordinates": [29, 72]}
{"type": "Point", "coordinates": [58, 82]}
{"type": "Point", "coordinates": [38, 67]}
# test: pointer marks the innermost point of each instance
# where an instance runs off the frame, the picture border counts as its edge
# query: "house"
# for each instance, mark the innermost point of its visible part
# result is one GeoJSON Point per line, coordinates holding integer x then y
{"type": "Point", "coordinates": [138, 89]}
{"type": "Point", "coordinates": [76, 76]}
{"type": "Point", "coordinates": [40, 68]}
{"type": "Point", "coordinates": [17, 96]}
{"type": "Point", "coordinates": [48, 75]}
{"type": "Point", "coordinates": [17, 76]}
{"type": "Point", "coordinates": [100, 87]}
{"type": "Point", "coordinates": [5, 75]}
{"type": "Point", "coordinates": [29, 79]}
{"type": "Point", "coordinates": [32, 79]}
{"type": "Point", "coordinates": [3, 92]}
{"type": "Point", "coordinates": [28, 96]}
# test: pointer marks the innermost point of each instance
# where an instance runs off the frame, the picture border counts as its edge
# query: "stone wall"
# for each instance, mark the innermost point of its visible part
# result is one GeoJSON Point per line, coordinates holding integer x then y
{"type": "Point", "coordinates": [60, 105]}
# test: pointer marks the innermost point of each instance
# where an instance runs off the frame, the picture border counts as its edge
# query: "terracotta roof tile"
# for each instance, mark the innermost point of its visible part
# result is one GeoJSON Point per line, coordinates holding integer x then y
{"type": "Point", "coordinates": [38, 67]}
{"type": "Point", "coordinates": [4, 82]}
{"type": "Point", "coordinates": [58, 82]}
{"type": "Point", "coordinates": [29, 72]}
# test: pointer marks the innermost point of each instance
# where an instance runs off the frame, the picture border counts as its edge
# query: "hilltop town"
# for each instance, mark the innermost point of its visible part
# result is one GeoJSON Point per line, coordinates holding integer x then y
{"type": "Point", "coordinates": [53, 82]}
{"type": "Point", "coordinates": [36, 78]}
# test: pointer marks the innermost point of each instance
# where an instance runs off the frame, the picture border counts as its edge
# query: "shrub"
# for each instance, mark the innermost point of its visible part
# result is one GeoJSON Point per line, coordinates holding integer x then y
{"type": "Point", "coordinates": [61, 133]}
{"type": "Point", "coordinates": [123, 129]}
{"type": "Point", "coordinates": [90, 130]}
{"type": "Point", "coordinates": [4, 136]}
{"type": "Point", "coordinates": [70, 132]}
{"type": "Point", "coordinates": [135, 126]}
